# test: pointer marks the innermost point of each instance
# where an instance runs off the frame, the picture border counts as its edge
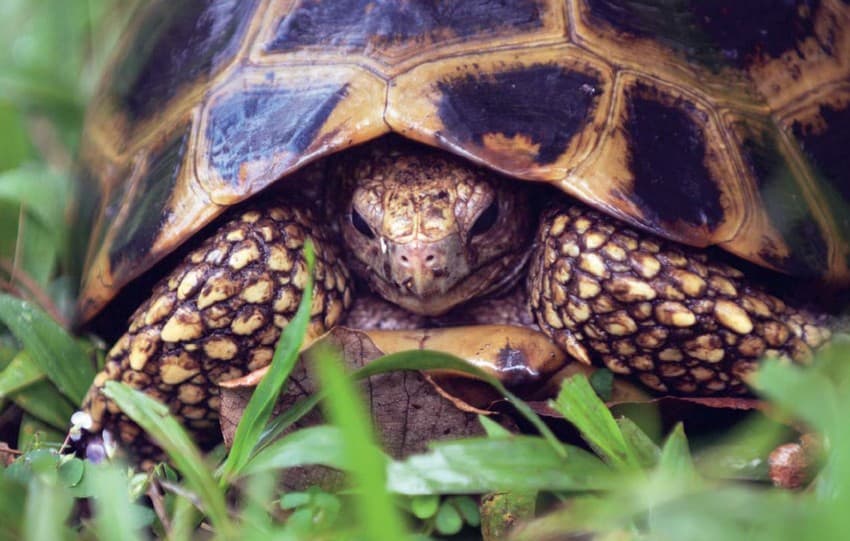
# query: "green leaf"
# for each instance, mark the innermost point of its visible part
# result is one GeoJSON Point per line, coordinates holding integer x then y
{"type": "Point", "coordinates": [47, 203]}
{"type": "Point", "coordinates": [602, 381]}
{"type": "Point", "coordinates": [71, 472]}
{"type": "Point", "coordinates": [54, 350]}
{"type": "Point", "coordinates": [282, 422]}
{"type": "Point", "coordinates": [36, 225]}
{"type": "Point", "coordinates": [19, 374]}
{"type": "Point", "coordinates": [313, 445]}
{"type": "Point", "coordinates": [153, 418]}
{"type": "Point", "coordinates": [479, 465]}
{"type": "Point", "coordinates": [492, 428]}
{"type": "Point", "coordinates": [184, 520]}
{"type": "Point", "coordinates": [259, 409]}
{"type": "Point", "coordinates": [8, 349]}
{"type": "Point", "coordinates": [468, 509]}
{"type": "Point", "coordinates": [40, 251]}
{"type": "Point", "coordinates": [580, 405]}
{"type": "Point", "coordinates": [12, 499]}
{"type": "Point", "coordinates": [291, 500]}
{"type": "Point", "coordinates": [448, 520]}
{"type": "Point", "coordinates": [16, 148]}
{"type": "Point", "coordinates": [47, 509]}
{"type": "Point", "coordinates": [675, 460]}
{"type": "Point", "coordinates": [425, 506]}
{"type": "Point", "coordinates": [636, 439]}
{"type": "Point", "coordinates": [378, 515]}
{"type": "Point", "coordinates": [41, 400]}
{"type": "Point", "coordinates": [34, 433]}
{"type": "Point", "coordinates": [808, 394]}
{"type": "Point", "coordinates": [115, 517]}
{"type": "Point", "coordinates": [254, 518]}
{"type": "Point", "coordinates": [410, 360]}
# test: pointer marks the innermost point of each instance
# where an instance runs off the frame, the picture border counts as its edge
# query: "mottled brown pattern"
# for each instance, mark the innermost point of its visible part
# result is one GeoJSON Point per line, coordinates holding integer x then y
{"type": "Point", "coordinates": [218, 315]}
{"type": "Point", "coordinates": [657, 311]}
{"type": "Point", "coordinates": [429, 231]}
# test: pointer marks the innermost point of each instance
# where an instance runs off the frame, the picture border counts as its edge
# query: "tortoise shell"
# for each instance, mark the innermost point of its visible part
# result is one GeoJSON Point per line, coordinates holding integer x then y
{"type": "Point", "coordinates": [709, 122]}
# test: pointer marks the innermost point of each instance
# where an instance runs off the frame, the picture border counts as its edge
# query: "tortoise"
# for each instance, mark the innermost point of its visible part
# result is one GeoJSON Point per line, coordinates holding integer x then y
{"type": "Point", "coordinates": [659, 130]}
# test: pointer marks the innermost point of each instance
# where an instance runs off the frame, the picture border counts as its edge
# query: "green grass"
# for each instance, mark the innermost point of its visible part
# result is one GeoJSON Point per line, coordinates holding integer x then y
{"type": "Point", "coordinates": [632, 485]}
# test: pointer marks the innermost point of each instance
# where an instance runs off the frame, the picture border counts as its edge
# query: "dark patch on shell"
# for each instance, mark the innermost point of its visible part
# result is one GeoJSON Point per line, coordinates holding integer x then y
{"type": "Point", "coordinates": [633, 18]}
{"type": "Point", "coordinates": [363, 24]}
{"type": "Point", "coordinates": [786, 206]}
{"type": "Point", "coordinates": [667, 157]}
{"type": "Point", "coordinates": [515, 367]}
{"type": "Point", "coordinates": [827, 148]}
{"type": "Point", "coordinates": [177, 43]}
{"type": "Point", "coordinates": [255, 125]}
{"type": "Point", "coordinates": [546, 103]}
{"type": "Point", "coordinates": [714, 32]}
{"type": "Point", "coordinates": [743, 31]}
{"type": "Point", "coordinates": [148, 208]}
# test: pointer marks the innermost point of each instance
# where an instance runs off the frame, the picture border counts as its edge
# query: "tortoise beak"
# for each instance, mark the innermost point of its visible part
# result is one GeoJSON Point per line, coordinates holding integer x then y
{"type": "Point", "coordinates": [426, 269]}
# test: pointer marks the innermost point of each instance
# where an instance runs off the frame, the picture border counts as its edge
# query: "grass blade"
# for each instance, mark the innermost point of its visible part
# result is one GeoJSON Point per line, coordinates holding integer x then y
{"type": "Point", "coordinates": [51, 347]}
{"type": "Point", "coordinates": [437, 360]}
{"type": "Point", "coordinates": [580, 405]}
{"type": "Point", "coordinates": [636, 439]}
{"type": "Point", "coordinates": [411, 360]}
{"type": "Point", "coordinates": [259, 409]}
{"type": "Point", "coordinates": [675, 460]}
{"type": "Point", "coordinates": [115, 517]}
{"type": "Point", "coordinates": [479, 465]}
{"type": "Point", "coordinates": [46, 510]}
{"type": "Point", "coordinates": [19, 374]}
{"type": "Point", "coordinates": [378, 515]}
{"type": "Point", "coordinates": [808, 394]}
{"type": "Point", "coordinates": [41, 400]}
{"type": "Point", "coordinates": [313, 445]}
{"type": "Point", "coordinates": [164, 429]}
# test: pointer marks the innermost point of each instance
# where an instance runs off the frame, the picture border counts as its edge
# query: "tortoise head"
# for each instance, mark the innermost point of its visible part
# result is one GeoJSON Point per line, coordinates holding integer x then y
{"type": "Point", "coordinates": [430, 231]}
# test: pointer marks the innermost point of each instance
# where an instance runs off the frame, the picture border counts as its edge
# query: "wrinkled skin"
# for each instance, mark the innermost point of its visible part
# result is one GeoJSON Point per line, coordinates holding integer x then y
{"type": "Point", "coordinates": [429, 232]}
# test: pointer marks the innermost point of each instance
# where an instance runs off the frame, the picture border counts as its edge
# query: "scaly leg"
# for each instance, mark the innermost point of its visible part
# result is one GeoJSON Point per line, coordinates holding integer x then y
{"type": "Point", "coordinates": [660, 312]}
{"type": "Point", "coordinates": [216, 317]}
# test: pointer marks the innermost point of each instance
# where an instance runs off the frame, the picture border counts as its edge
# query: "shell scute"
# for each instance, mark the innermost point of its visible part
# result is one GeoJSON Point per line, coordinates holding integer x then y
{"type": "Point", "coordinates": [176, 43]}
{"type": "Point", "coordinates": [386, 26]}
{"type": "Point", "coordinates": [708, 122]}
{"type": "Point", "coordinates": [668, 155]}
{"type": "Point", "coordinates": [482, 108]}
{"type": "Point", "coordinates": [791, 237]}
{"type": "Point", "coordinates": [247, 131]}
{"type": "Point", "coordinates": [823, 132]}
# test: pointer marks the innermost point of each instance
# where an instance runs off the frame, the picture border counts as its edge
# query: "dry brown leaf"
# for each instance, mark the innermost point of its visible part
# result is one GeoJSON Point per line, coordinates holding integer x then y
{"type": "Point", "coordinates": [407, 410]}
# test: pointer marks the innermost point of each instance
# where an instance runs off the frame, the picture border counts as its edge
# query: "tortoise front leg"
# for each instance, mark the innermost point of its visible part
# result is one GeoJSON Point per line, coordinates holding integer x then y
{"type": "Point", "coordinates": [217, 316]}
{"type": "Point", "coordinates": [660, 312]}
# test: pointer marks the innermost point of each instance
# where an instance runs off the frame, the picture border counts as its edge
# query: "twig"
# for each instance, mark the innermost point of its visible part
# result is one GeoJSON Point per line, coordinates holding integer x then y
{"type": "Point", "coordinates": [155, 495]}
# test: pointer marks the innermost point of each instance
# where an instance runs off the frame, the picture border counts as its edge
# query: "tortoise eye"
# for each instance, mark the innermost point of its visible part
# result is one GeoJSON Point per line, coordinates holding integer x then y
{"type": "Point", "coordinates": [486, 220]}
{"type": "Point", "coordinates": [360, 225]}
